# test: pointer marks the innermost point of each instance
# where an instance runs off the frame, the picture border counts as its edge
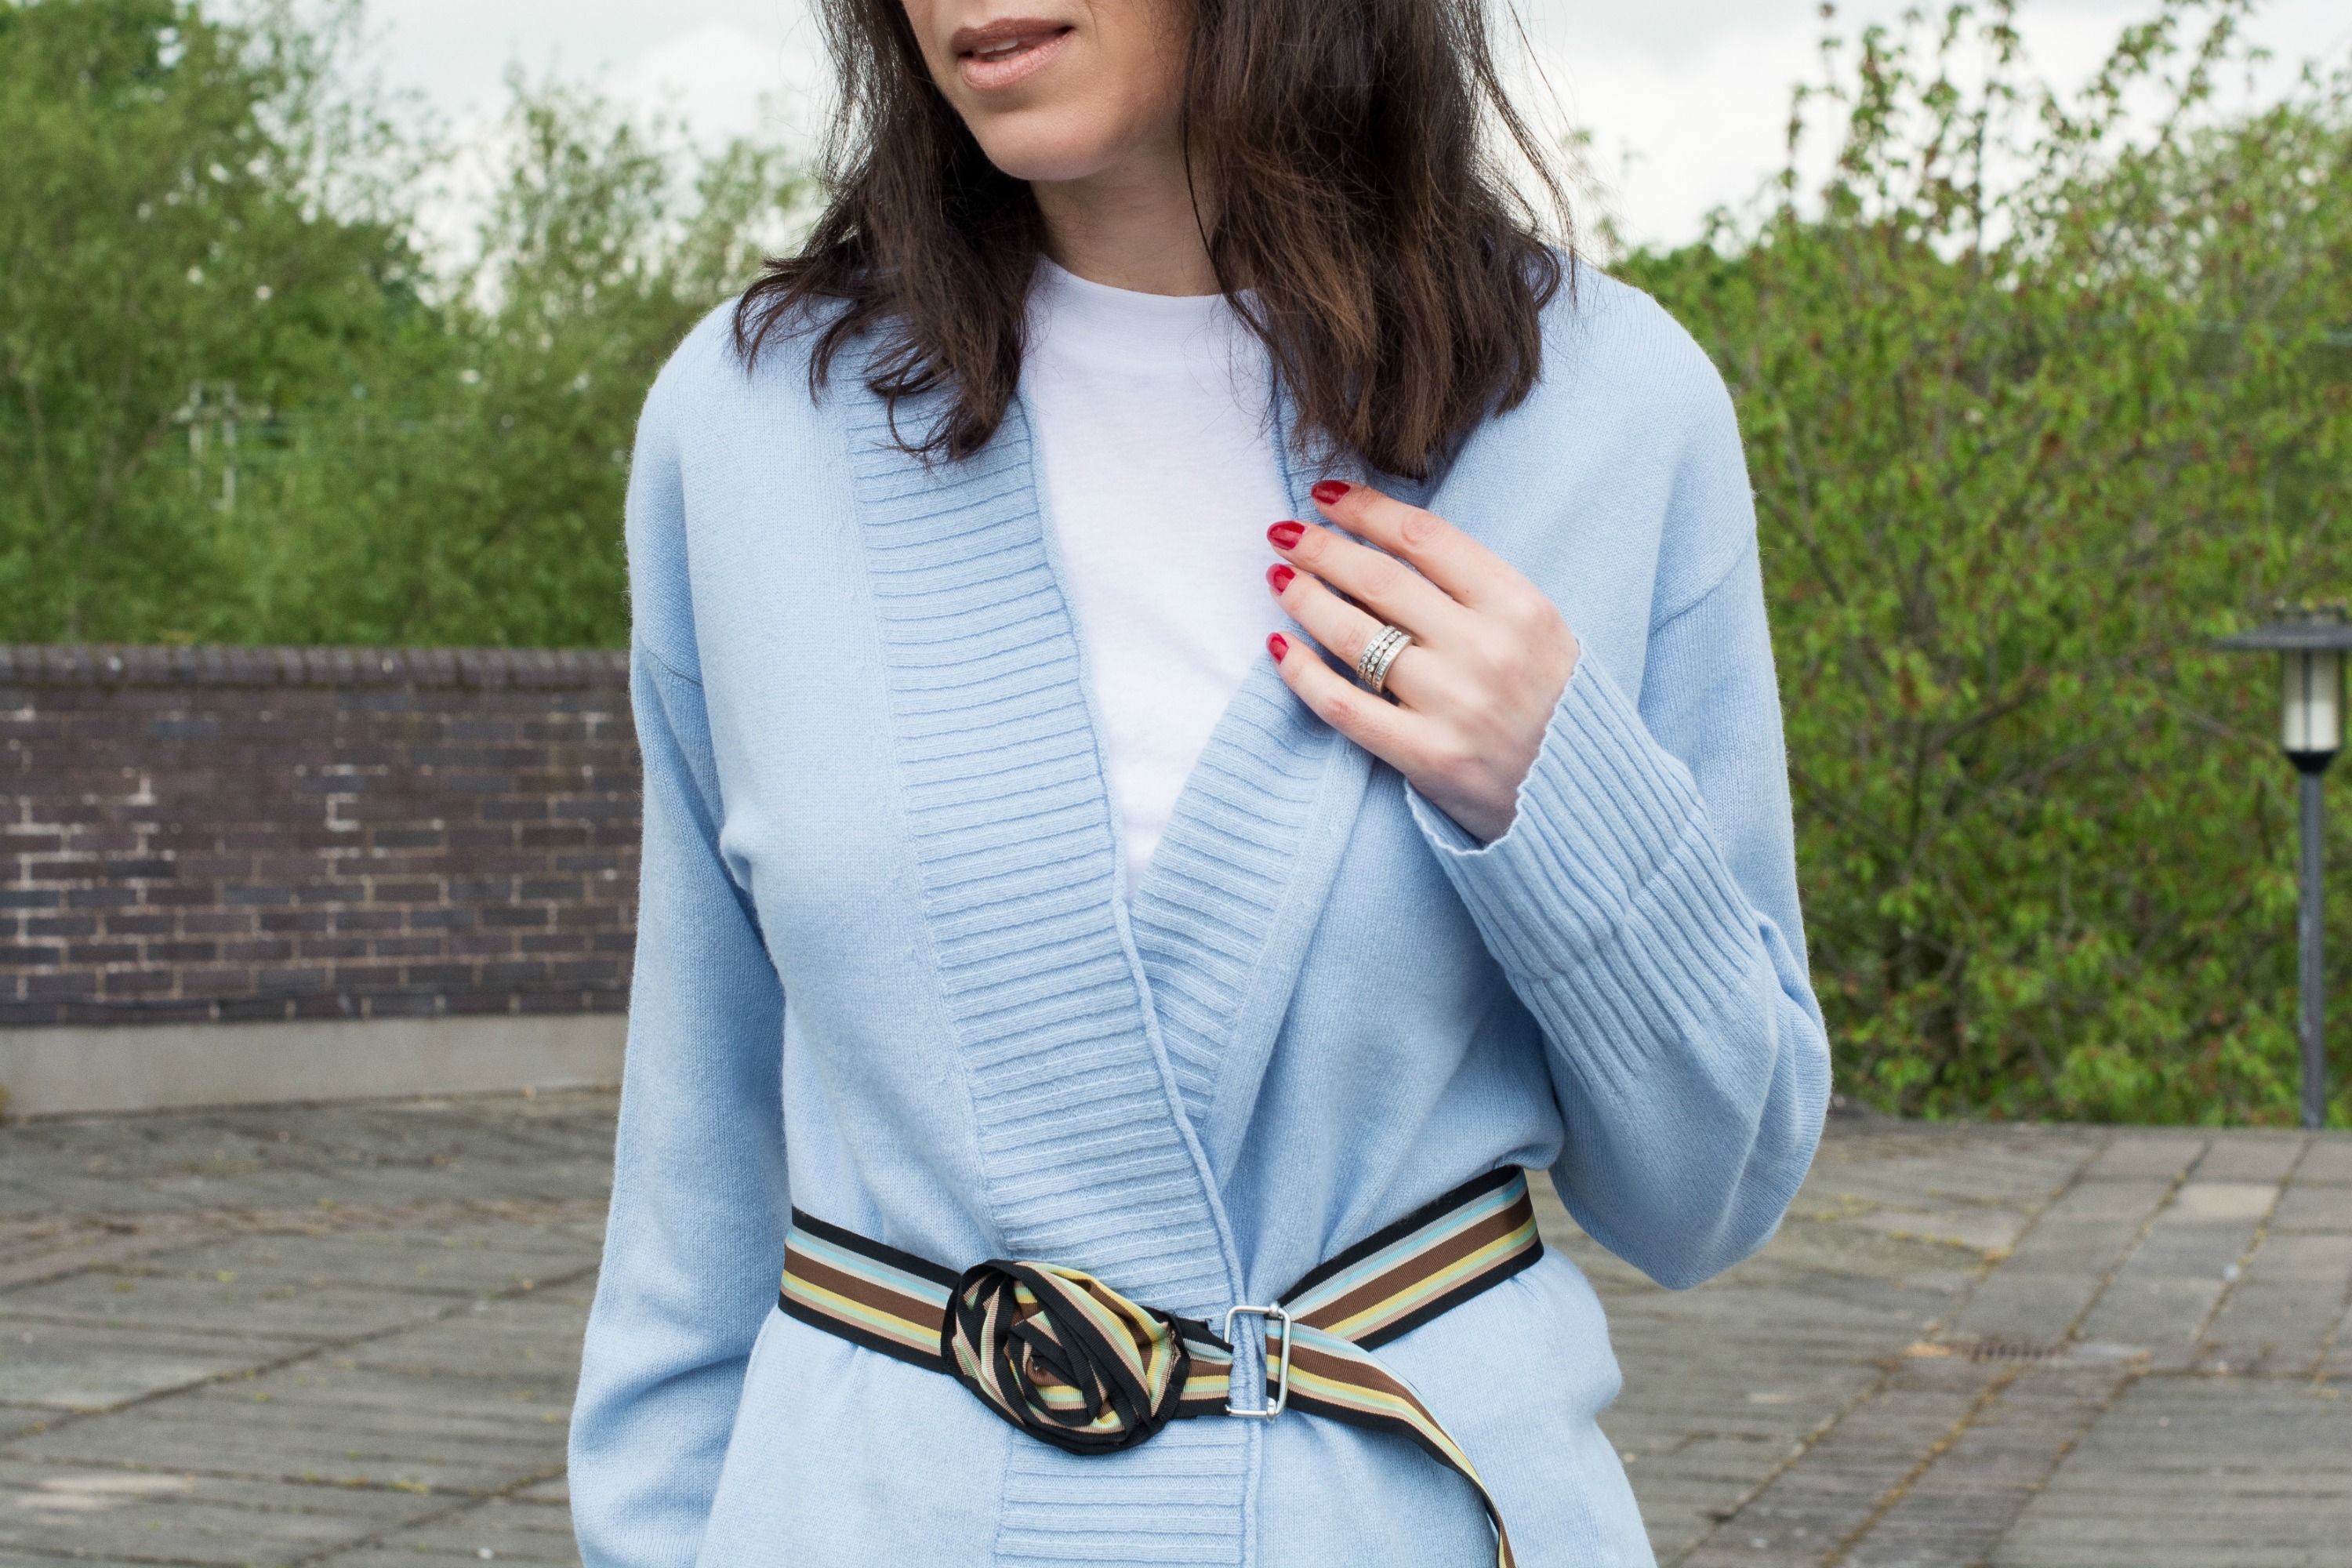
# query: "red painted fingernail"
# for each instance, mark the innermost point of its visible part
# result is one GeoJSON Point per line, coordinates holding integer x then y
{"type": "Point", "coordinates": [1278, 646]}
{"type": "Point", "coordinates": [1287, 534]}
{"type": "Point", "coordinates": [1279, 576]}
{"type": "Point", "coordinates": [1329, 492]}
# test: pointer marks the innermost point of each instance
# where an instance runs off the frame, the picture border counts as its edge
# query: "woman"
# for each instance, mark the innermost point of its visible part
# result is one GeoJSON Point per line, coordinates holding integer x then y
{"type": "Point", "coordinates": [1075, 910]}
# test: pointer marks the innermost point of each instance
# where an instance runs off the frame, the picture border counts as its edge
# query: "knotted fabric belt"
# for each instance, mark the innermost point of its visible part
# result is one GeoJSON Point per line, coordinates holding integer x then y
{"type": "Point", "coordinates": [1070, 1361]}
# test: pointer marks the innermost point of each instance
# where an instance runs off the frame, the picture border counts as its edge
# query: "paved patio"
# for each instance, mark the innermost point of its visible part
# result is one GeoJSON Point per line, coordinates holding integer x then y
{"type": "Point", "coordinates": [345, 1336]}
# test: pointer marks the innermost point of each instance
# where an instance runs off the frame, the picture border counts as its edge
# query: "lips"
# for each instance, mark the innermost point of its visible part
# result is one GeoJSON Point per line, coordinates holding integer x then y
{"type": "Point", "coordinates": [1003, 53]}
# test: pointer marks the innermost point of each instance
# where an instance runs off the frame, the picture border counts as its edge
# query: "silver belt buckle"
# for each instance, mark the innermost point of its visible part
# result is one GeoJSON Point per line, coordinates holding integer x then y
{"type": "Point", "coordinates": [1282, 1381]}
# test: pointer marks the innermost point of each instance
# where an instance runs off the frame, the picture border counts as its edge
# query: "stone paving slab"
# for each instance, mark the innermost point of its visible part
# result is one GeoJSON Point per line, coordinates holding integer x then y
{"type": "Point", "coordinates": [73, 1365]}
{"type": "Point", "coordinates": [331, 1334]}
{"type": "Point", "coordinates": [2195, 1471]}
{"type": "Point", "coordinates": [51, 1511]}
{"type": "Point", "coordinates": [512, 1529]}
{"type": "Point", "coordinates": [346, 1336]}
{"type": "Point", "coordinates": [1987, 1440]}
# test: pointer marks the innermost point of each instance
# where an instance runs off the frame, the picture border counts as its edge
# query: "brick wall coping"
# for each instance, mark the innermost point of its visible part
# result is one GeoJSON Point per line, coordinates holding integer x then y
{"type": "Point", "coordinates": [473, 668]}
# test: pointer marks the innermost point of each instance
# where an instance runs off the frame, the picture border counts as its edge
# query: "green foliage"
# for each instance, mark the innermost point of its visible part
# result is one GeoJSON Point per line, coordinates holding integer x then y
{"type": "Point", "coordinates": [2040, 396]}
{"type": "Point", "coordinates": [158, 226]}
{"type": "Point", "coordinates": [467, 488]}
{"type": "Point", "coordinates": [2022, 445]}
{"type": "Point", "coordinates": [420, 457]}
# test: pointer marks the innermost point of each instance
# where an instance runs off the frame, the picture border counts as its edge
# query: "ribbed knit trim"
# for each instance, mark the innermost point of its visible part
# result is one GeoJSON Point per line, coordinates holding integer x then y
{"type": "Point", "coordinates": [1608, 893]}
{"type": "Point", "coordinates": [1082, 1134]}
{"type": "Point", "coordinates": [1234, 893]}
{"type": "Point", "coordinates": [1176, 1500]}
{"type": "Point", "coordinates": [1209, 899]}
{"type": "Point", "coordinates": [1083, 1158]}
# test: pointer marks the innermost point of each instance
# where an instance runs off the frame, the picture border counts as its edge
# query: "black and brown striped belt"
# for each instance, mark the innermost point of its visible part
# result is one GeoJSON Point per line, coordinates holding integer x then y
{"type": "Point", "coordinates": [1070, 1361]}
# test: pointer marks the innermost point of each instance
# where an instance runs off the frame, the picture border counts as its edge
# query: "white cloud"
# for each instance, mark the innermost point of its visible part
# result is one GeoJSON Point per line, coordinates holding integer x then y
{"type": "Point", "coordinates": [1686, 100]}
{"type": "Point", "coordinates": [725, 80]}
{"type": "Point", "coordinates": [1687, 103]}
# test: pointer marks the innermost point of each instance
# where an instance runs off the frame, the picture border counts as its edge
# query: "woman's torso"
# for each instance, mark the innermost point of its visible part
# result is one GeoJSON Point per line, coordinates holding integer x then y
{"type": "Point", "coordinates": [1292, 1034]}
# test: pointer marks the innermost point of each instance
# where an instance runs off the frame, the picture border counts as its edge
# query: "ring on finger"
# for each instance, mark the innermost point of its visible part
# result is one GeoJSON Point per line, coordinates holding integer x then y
{"type": "Point", "coordinates": [1372, 665]}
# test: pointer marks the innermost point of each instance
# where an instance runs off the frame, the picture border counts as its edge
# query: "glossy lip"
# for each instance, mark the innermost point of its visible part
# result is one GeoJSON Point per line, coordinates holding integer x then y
{"type": "Point", "coordinates": [1046, 40]}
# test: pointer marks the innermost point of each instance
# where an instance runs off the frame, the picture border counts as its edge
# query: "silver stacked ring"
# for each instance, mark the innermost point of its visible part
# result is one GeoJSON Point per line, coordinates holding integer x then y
{"type": "Point", "coordinates": [1372, 665]}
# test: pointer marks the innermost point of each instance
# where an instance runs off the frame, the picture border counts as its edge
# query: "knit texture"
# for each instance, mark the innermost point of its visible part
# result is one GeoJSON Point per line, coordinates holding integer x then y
{"type": "Point", "coordinates": [1010, 822]}
{"type": "Point", "coordinates": [1208, 903]}
{"type": "Point", "coordinates": [887, 975]}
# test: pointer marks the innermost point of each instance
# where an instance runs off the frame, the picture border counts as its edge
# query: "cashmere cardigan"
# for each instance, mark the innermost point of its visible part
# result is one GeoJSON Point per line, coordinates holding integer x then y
{"type": "Point", "coordinates": [887, 971]}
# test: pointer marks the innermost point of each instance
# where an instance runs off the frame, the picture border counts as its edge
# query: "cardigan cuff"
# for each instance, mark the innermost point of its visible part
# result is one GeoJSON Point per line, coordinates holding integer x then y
{"type": "Point", "coordinates": [1608, 853]}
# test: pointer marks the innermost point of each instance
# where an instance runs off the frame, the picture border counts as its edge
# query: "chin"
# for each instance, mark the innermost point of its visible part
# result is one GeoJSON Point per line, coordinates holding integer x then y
{"type": "Point", "coordinates": [1049, 147]}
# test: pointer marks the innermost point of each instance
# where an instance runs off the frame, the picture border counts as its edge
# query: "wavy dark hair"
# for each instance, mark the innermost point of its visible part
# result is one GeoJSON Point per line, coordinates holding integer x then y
{"type": "Point", "coordinates": [1354, 149]}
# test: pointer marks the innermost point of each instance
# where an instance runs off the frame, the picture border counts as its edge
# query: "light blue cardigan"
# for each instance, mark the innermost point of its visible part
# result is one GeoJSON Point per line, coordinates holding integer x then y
{"type": "Point", "coordinates": [887, 970]}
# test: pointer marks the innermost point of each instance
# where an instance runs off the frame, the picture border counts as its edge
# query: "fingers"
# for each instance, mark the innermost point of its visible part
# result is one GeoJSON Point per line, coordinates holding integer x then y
{"type": "Point", "coordinates": [1395, 735]}
{"type": "Point", "coordinates": [1341, 629]}
{"type": "Point", "coordinates": [1475, 692]}
{"type": "Point", "coordinates": [1465, 569]}
{"type": "Point", "coordinates": [1393, 591]}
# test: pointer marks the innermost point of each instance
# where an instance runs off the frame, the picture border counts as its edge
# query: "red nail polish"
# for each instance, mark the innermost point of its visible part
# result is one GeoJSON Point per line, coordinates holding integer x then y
{"type": "Point", "coordinates": [1278, 646]}
{"type": "Point", "coordinates": [1329, 492]}
{"type": "Point", "coordinates": [1279, 576]}
{"type": "Point", "coordinates": [1287, 534]}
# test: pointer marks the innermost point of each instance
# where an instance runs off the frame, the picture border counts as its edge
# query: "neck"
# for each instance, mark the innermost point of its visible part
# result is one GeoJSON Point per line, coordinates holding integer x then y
{"type": "Point", "coordinates": [1130, 227]}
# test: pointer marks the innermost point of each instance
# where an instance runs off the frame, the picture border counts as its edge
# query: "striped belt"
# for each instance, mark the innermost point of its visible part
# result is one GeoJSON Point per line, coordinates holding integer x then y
{"type": "Point", "coordinates": [1073, 1362]}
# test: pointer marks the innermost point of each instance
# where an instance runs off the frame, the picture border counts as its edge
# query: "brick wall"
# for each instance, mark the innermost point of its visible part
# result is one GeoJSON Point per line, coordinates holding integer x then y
{"type": "Point", "coordinates": [193, 834]}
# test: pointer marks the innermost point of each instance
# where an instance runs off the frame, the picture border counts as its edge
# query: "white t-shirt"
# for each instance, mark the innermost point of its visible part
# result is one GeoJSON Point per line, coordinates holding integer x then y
{"type": "Point", "coordinates": [1157, 450]}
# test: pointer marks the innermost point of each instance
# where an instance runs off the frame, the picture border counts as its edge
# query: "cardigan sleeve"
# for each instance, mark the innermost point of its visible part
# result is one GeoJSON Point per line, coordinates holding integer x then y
{"type": "Point", "coordinates": [1644, 906]}
{"type": "Point", "coordinates": [694, 1246]}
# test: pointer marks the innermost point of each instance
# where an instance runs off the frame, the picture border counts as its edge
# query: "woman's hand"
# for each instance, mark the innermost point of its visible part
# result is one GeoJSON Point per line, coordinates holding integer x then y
{"type": "Point", "coordinates": [1488, 660]}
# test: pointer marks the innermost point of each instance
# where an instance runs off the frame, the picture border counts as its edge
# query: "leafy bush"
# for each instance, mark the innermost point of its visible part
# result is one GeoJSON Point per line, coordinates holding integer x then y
{"type": "Point", "coordinates": [469, 488]}
{"type": "Point", "coordinates": [160, 225]}
{"type": "Point", "coordinates": [2040, 394]}
{"type": "Point", "coordinates": [193, 209]}
{"type": "Point", "coordinates": [2021, 446]}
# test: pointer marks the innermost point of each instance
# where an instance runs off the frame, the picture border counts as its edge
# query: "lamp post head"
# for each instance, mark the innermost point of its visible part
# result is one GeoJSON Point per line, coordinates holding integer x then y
{"type": "Point", "coordinates": [2311, 642]}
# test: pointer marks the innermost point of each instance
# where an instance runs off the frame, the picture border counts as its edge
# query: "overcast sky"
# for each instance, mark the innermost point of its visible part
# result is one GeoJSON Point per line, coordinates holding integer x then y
{"type": "Point", "coordinates": [1685, 100]}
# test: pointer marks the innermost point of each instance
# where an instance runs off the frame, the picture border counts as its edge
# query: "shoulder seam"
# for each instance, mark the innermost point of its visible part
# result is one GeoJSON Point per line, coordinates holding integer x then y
{"type": "Point", "coordinates": [656, 655]}
{"type": "Point", "coordinates": [1661, 623]}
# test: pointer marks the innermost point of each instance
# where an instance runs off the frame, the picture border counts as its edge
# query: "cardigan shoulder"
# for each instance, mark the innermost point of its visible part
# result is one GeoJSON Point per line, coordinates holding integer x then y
{"type": "Point", "coordinates": [1625, 383]}
{"type": "Point", "coordinates": [707, 376]}
{"type": "Point", "coordinates": [661, 605]}
{"type": "Point", "coordinates": [706, 372]}
{"type": "Point", "coordinates": [713, 427]}
{"type": "Point", "coordinates": [661, 596]}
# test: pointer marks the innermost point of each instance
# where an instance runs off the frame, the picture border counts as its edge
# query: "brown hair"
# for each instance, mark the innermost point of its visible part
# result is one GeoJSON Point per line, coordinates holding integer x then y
{"type": "Point", "coordinates": [1392, 273]}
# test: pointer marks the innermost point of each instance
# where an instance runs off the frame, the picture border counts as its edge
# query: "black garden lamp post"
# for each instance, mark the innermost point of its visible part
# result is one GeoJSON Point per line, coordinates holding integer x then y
{"type": "Point", "coordinates": [2311, 647]}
